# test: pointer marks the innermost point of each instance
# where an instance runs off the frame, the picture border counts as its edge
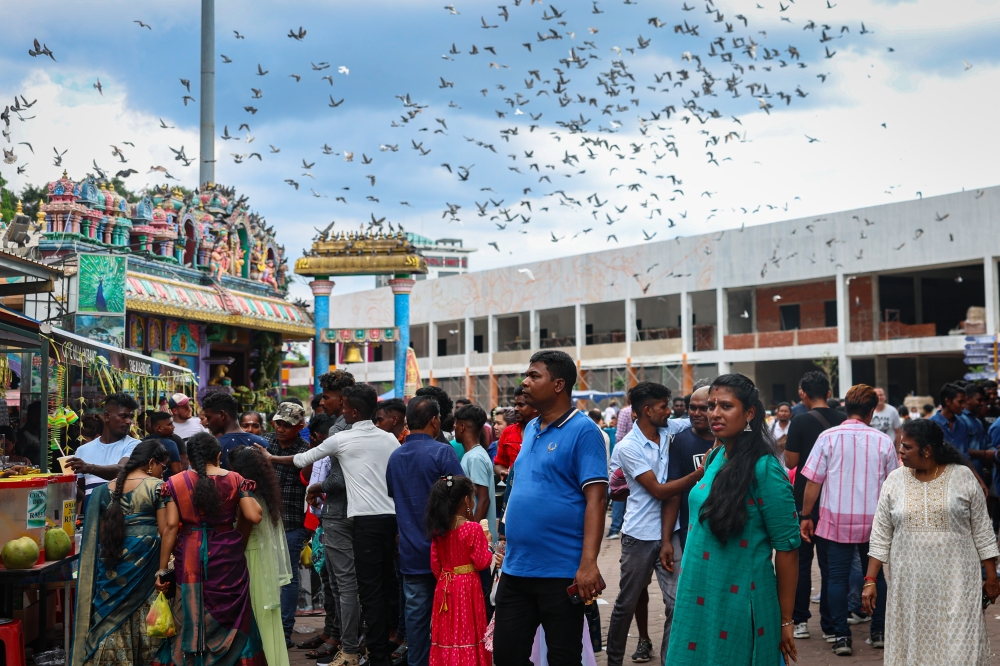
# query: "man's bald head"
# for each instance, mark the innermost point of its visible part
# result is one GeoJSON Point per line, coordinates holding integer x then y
{"type": "Point", "coordinates": [698, 411]}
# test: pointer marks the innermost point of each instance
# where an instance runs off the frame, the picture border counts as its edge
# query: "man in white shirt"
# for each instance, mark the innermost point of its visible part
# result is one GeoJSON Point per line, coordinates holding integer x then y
{"type": "Point", "coordinates": [363, 452]}
{"type": "Point", "coordinates": [100, 461]}
{"type": "Point", "coordinates": [611, 411]}
{"type": "Point", "coordinates": [185, 425]}
{"type": "Point", "coordinates": [886, 419]}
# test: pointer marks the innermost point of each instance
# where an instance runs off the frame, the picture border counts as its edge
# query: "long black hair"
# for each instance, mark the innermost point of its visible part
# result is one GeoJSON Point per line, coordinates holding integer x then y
{"type": "Point", "coordinates": [725, 509]}
{"type": "Point", "coordinates": [442, 504]}
{"type": "Point", "coordinates": [927, 433]}
{"type": "Point", "coordinates": [251, 464]}
{"type": "Point", "coordinates": [113, 520]}
{"type": "Point", "coordinates": [202, 449]}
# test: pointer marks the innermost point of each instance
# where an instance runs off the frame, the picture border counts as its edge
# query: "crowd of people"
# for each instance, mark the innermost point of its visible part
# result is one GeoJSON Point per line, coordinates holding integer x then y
{"type": "Point", "coordinates": [447, 535]}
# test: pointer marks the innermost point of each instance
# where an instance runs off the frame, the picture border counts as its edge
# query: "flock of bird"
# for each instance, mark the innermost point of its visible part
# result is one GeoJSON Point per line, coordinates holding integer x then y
{"type": "Point", "coordinates": [585, 110]}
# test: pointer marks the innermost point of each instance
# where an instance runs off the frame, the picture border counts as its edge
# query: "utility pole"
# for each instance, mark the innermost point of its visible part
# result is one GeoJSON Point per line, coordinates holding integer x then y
{"type": "Point", "coordinates": [206, 172]}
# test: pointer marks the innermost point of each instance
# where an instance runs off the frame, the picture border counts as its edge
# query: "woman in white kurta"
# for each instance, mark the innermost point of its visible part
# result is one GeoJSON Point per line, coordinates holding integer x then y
{"type": "Point", "coordinates": [932, 528]}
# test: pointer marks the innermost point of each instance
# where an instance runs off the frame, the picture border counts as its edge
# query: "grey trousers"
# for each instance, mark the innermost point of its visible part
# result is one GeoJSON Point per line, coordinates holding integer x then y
{"type": "Point", "coordinates": [638, 562]}
{"type": "Point", "coordinates": [338, 541]}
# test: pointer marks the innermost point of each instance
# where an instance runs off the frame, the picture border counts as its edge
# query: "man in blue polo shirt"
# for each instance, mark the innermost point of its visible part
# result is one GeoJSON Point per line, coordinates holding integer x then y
{"type": "Point", "coordinates": [644, 456]}
{"type": "Point", "coordinates": [956, 432]}
{"type": "Point", "coordinates": [554, 520]}
{"type": "Point", "coordinates": [412, 469]}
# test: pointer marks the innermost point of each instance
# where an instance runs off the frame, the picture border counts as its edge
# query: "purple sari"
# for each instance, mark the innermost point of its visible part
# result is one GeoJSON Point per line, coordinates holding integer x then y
{"type": "Point", "coordinates": [215, 618]}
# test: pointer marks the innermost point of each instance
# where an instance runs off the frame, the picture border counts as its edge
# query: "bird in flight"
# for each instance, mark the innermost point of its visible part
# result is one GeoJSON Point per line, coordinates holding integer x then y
{"type": "Point", "coordinates": [297, 36]}
{"type": "Point", "coordinates": [142, 25]}
{"type": "Point", "coordinates": [100, 89]}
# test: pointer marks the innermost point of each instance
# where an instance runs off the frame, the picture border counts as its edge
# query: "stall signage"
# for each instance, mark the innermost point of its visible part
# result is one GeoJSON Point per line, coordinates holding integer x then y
{"type": "Point", "coordinates": [140, 367]}
{"type": "Point", "coordinates": [36, 508]}
{"type": "Point", "coordinates": [77, 355]}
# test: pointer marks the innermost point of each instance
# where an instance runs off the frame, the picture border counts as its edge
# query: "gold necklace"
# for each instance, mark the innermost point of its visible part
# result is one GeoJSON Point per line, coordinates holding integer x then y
{"type": "Point", "coordinates": [937, 470]}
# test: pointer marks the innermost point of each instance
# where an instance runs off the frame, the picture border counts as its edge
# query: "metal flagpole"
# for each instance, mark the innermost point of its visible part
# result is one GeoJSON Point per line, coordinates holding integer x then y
{"type": "Point", "coordinates": [206, 172]}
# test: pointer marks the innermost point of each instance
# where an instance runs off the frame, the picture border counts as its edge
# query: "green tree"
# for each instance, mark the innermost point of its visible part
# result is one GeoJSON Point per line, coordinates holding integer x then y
{"type": "Point", "coordinates": [32, 195]}
{"type": "Point", "coordinates": [8, 202]}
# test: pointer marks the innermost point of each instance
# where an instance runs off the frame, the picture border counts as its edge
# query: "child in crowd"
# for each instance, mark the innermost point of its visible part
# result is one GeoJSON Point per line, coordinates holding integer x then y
{"type": "Point", "coordinates": [459, 548]}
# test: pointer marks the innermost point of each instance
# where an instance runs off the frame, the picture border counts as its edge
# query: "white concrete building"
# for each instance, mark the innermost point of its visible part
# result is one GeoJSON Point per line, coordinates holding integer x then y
{"type": "Point", "coordinates": [445, 257]}
{"type": "Point", "coordinates": [886, 291]}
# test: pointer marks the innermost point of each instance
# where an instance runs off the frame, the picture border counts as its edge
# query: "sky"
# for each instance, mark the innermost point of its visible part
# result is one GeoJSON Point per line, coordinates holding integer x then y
{"type": "Point", "coordinates": [881, 101]}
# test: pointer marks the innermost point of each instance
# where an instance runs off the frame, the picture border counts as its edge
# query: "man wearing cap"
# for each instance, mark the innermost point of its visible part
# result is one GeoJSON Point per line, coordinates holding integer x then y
{"type": "Point", "coordinates": [184, 424]}
{"type": "Point", "coordinates": [286, 440]}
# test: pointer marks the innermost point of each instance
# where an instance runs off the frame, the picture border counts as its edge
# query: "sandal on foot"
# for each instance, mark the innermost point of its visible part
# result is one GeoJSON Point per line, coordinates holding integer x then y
{"type": "Point", "coordinates": [324, 650]}
{"type": "Point", "coordinates": [312, 643]}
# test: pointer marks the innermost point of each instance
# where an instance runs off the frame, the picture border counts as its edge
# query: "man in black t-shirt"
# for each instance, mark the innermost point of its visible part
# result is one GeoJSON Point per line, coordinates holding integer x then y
{"type": "Point", "coordinates": [695, 441]}
{"type": "Point", "coordinates": [803, 431]}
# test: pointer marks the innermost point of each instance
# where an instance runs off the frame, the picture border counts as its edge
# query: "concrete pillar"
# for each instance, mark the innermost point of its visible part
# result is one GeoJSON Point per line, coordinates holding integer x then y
{"type": "Point", "coordinates": [629, 326]}
{"type": "Point", "coordinates": [533, 331]}
{"type": "Point", "coordinates": [918, 300]}
{"type": "Point", "coordinates": [923, 378]}
{"type": "Point", "coordinates": [580, 326]}
{"type": "Point", "coordinates": [721, 319]}
{"type": "Point", "coordinates": [992, 302]}
{"type": "Point", "coordinates": [401, 287]}
{"type": "Point", "coordinates": [468, 343]}
{"type": "Point", "coordinates": [321, 288]}
{"type": "Point", "coordinates": [206, 170]}
{"type": "Point", "coordinates": [492, 339]}
{"type": "Point", "coordinates": [686, 332]}
{"type": "Point", "coordinates": [882, 372]}
{"type": "Point", "coordinates": [843, 335]}
{"type": "Point", "coordinates": [724, 368]}
{"type": "Point", "coordinates": [876, 309]}
{"type": "Point", "coordinates": [432, 346]}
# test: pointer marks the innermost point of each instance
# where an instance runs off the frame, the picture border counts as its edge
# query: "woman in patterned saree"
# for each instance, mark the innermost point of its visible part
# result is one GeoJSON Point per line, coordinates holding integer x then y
{"type": "Point", "coordinates": [931, 526]}
{"type": "Point", "coordinates": [734, 605]}
{"type": "Point", "coordinates": [118, 558]}
{"type": "Point", "coordinates": [212, 608]}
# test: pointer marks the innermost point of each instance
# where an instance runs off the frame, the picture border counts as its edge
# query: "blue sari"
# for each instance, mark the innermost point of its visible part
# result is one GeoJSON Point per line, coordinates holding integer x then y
{"type": "Point", "coordinates": [113, 599]}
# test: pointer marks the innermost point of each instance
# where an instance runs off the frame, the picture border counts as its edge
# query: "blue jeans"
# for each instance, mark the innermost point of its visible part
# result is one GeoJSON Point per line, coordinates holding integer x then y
{"type": "Point", "coordinates": [419, 592]}
{"type": "Point", "coordinates": [617, 517]}
{"type": "Point", "coordinates": [839, 558]}
{"type": "Point", "coordinates": [857, 582]}
{"type": "Point", "coordinates": [290, 593]}
{"type": "Point", "coordinates": [401, 623]}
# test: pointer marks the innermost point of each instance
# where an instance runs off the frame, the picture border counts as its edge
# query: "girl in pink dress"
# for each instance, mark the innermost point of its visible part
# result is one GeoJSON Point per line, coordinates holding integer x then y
{"type": "Point", "coordinates": [458, 550]}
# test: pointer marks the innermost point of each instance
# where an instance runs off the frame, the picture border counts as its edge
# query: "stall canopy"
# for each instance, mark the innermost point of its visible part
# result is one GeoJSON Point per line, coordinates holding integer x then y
{"type": "Point", "coordinates": [216, 305]}
{"type": "Point", "coordinates": [84, 349]}
{"type": "Point", "coordinates": [596, 396]}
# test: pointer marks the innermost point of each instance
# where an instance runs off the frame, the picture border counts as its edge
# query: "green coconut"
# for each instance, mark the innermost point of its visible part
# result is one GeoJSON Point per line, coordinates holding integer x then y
{"type": "Point", "coordinates": [20, 553]}
{"type": "Point", "coordinates": [57, 544]}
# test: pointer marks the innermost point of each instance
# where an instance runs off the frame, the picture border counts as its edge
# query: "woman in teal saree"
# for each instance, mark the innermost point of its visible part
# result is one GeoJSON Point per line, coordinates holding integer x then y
{"type": "Point", "coordinates": [119, 557]}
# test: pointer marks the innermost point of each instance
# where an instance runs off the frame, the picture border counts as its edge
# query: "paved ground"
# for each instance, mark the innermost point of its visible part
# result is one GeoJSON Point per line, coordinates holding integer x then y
{"type": "Point", "coordinates": [812, 652]}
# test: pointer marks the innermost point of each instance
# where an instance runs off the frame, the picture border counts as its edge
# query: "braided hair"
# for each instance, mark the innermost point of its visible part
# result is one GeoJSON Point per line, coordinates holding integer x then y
{"type": "Point", "coordinates": [113, 520]}
{"type": "Point", "coordinates": [202, 449]}
{"type": "Point", "coordinates": [725, 508]}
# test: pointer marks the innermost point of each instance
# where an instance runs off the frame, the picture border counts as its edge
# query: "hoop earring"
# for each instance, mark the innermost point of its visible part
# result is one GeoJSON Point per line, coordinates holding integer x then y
{"type": "Point", "coordinates": [748, 428]}
{"type": "Point", "coordinates": [149, 471]}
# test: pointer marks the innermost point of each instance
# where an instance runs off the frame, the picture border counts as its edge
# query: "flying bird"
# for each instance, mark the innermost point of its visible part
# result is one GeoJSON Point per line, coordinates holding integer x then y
{"type": "Point", "coordinates": [142, 25]}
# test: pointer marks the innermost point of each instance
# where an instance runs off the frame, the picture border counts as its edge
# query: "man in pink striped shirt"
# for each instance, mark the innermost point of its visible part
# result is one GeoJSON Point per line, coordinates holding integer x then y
{"type": "Point", "coordinates": [850, 463]}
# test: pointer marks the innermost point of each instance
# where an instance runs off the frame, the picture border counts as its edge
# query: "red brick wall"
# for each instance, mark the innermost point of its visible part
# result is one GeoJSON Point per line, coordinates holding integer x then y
{"type": "Point", "coordinates": [816, 336]}
{"type": "Point", "coordinates": [860, 306]}
{"type": "Point", "coordinates": [810, 297]}
{"type": "Point", "coordinates": [739, 341]}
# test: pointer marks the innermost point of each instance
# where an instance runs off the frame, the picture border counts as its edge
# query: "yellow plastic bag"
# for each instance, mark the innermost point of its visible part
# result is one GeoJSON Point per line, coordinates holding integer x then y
{"type": "Point", "coordinates": [160, 621]}
{"type": "Point", "coordinates": [306, 558]}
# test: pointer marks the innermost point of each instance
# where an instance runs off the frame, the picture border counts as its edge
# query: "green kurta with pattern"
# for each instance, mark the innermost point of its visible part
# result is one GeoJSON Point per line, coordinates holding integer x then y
{"type": "Point", "coordinates": [727, 598]}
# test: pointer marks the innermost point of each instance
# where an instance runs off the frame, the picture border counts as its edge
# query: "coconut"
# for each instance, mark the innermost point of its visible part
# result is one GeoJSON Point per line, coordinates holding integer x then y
{"type": "Point", "coordinates": [57, 544]}
{"type": "Point", "coordinates": [20, 553]}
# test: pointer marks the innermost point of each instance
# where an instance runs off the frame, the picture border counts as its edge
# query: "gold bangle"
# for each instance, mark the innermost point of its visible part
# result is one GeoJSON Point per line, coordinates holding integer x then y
{"type": "Point", "coordinates": [867, 584]}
